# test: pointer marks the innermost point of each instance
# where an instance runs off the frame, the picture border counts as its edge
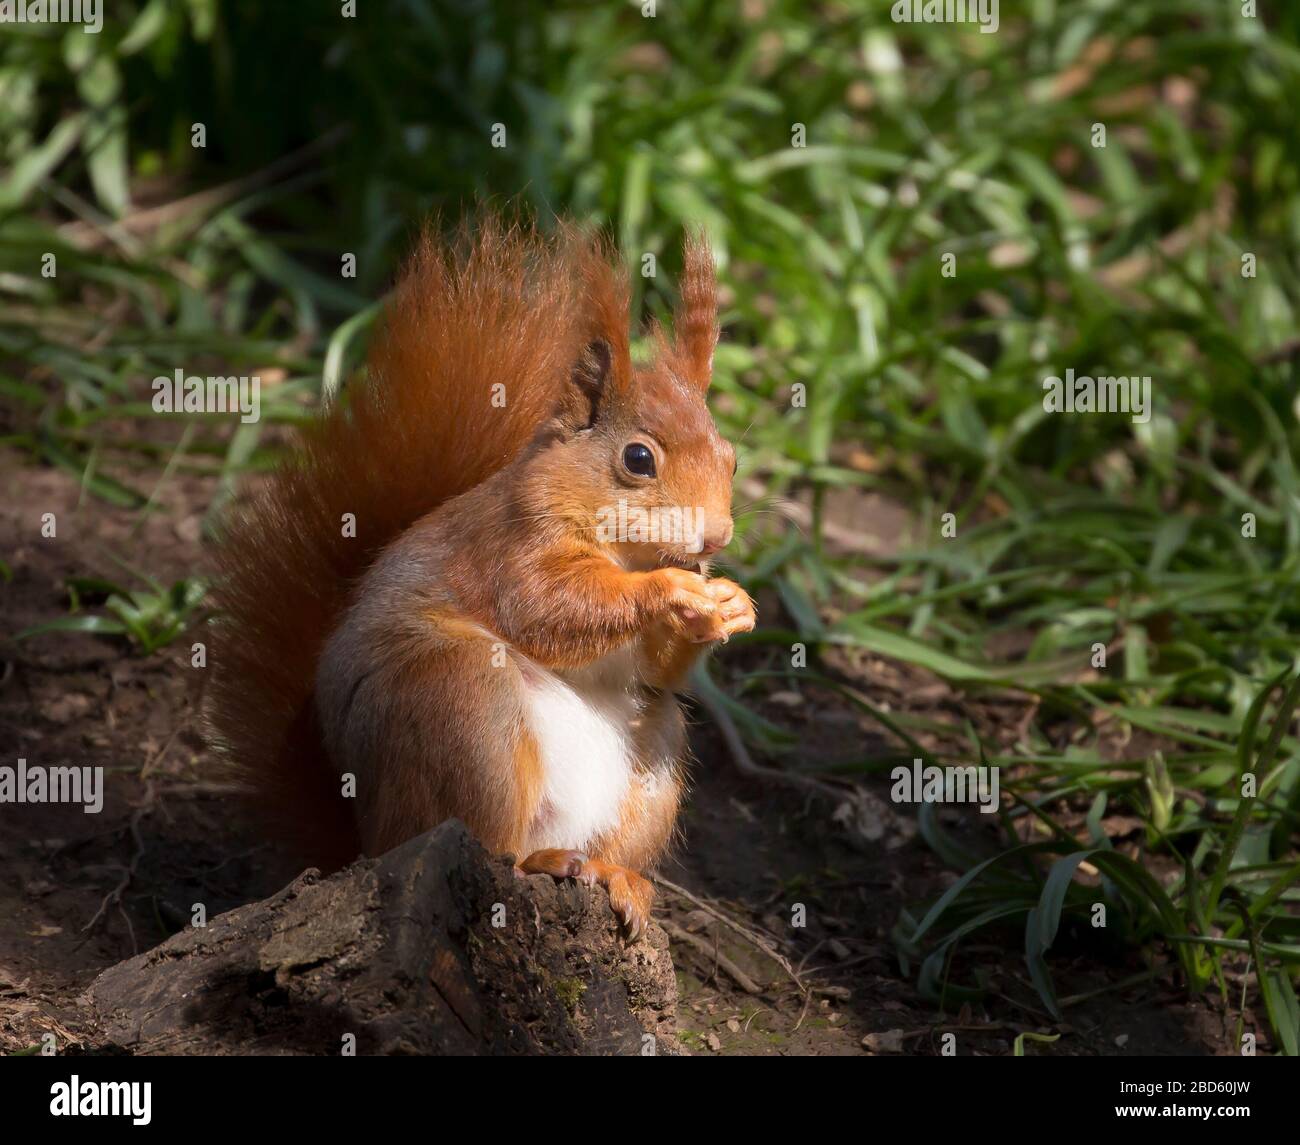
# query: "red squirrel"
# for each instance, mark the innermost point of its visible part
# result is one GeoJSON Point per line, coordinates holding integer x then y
{"type": "Point", "coordinates": [426, 608]}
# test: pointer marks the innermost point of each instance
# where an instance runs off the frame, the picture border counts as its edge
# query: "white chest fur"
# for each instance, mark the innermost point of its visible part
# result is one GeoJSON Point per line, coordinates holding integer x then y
{"type": "Point", "coordinates": [582, 722]}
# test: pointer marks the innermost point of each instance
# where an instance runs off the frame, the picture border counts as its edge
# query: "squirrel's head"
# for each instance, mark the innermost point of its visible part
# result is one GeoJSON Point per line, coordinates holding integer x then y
{"type": "Point", "coordinates": [637, 456]}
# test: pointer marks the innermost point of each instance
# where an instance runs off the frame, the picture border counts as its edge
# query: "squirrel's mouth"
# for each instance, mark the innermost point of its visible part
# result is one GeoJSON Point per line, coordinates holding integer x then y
{"type": "Point", "coordinates": [645, 557]}
{"type": "Point", "coordinates": [688, 561]}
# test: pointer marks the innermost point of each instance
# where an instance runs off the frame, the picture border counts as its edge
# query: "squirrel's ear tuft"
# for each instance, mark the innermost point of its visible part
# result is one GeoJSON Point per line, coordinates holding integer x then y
{"type": "Point", "coordinates": [695, 324]}
{"type": "Point", "coordinates": [590, 380]}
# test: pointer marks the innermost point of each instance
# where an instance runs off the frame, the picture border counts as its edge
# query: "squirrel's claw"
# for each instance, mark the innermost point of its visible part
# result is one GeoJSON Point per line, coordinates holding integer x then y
{"type": "Point", "coordinates": [630, 895]}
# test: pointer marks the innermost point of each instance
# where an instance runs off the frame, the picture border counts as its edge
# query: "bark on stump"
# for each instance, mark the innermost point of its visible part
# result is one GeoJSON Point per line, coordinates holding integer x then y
{"type": "Point", "coordinates": [433, 948]}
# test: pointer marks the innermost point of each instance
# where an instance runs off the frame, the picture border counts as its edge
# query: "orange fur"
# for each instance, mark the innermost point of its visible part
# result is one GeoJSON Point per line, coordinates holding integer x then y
{"type": "Point", "coordinates": [669, 657]}
{"type": "Point", "coordinates": [695, 325]}
{"type": "Point", "coordinates": [645, 827]}
{"type": "Point", "coordinates": [494, 505]}
{"type": "Point", "coordinates": [504, 303]}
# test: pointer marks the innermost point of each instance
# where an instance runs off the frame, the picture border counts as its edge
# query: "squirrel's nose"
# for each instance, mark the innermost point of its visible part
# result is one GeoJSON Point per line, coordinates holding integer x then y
{"type": "Point", "coordinates": [716, 538]}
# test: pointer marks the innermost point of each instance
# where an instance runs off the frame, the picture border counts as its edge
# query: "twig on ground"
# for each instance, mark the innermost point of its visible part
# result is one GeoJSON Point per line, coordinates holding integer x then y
{"type": "Point", "coordinates": [114, 897]}
{"type": "Point", "coordinates": [804, 960]}
{"type": "Point", "coordinates": [985, 1028]}
{"type": "Point", "coordinates": [748, 935]}
{"type": "Point", "coordinates": [720, 960]}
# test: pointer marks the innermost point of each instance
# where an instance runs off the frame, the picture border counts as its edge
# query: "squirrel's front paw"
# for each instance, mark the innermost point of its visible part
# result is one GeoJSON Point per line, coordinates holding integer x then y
{"type": "Point", "coordinates": [732, 611]}
{"type": "Point", "coordinates": [736, 612]}
{"type": "Point", "coordinates": [691, 606]}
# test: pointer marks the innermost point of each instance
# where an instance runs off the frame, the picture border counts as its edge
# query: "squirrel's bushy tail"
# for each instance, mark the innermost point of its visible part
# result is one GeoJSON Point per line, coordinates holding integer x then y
{"type": "Point", "coordinates": [501, 306]}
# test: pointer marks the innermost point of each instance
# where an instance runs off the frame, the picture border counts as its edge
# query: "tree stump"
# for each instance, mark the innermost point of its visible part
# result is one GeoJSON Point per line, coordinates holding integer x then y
{"type": "Point", "coordinates": [433, 948]}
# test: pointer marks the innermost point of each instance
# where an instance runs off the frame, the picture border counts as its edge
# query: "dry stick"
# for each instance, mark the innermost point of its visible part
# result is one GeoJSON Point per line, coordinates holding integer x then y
{"type": "Point", "coordinates": [807, 1001]}
{"type": "Point", "coordinates": [130, 930]}
{"type": "Point", "coordinates": [182, 790]}
{"type": "Point", "coordinates": [720, 960]}
{"type": "Point", "coordinates": [804, 960]}
{"type": "Point", "coordinates": [748, 935]}
{"type": "Point", "coordinates": [1123, 984]}
{"type": "Point", "coordinates": [745, 764]}
{"type": "Point", "coordinates": [157, 756]}
{"type": "Point", "coordinates": [987, 1028]}
{"type": "Point", "coordinates": [114, 897]}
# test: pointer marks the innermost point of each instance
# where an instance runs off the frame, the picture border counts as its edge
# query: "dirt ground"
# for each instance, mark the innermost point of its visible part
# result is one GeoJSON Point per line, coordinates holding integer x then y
{"type": "Point", "coordinates": [81, 892]}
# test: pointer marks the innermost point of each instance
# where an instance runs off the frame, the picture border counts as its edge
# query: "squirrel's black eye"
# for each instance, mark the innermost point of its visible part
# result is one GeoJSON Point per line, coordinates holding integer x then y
{"type": "Point", "coordinates": [639, 460]}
